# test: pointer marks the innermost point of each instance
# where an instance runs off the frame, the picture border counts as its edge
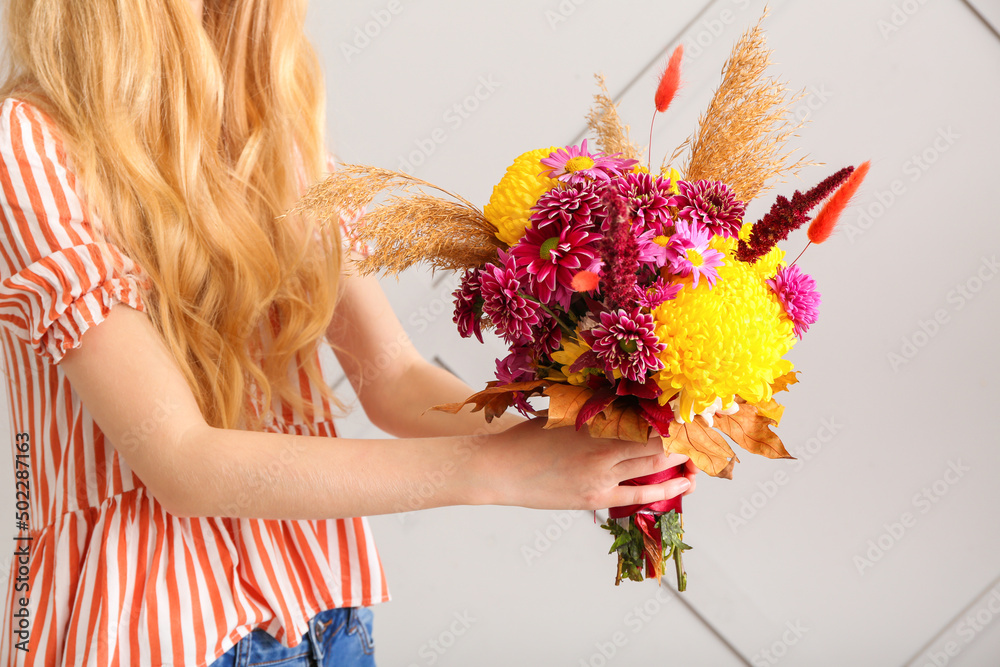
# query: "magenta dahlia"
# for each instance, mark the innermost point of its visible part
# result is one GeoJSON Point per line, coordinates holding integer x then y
{"type": "Point", "coordinates": [505, 305]}
{"type": "Point", "coordinates": [798, 295]}
{"type": "Point", "coordinates": [575, 164]}
{"type": "Point", "coordinates": [626, 342]}
{"type": "Point", "coordinates": [648, 197]}
{"type": "Point", "coordinates": [688, 253]}
{"type": "Point", "coordinates": [469, 306]}
{"type": "Point", "coordinates": [578, 204]}
{"type": "Point", "coordinates": [546, 336]}
{"type": "Point", "coordinates": [551, 256]}
{"type": "Point", "coordinates": [711, 203]}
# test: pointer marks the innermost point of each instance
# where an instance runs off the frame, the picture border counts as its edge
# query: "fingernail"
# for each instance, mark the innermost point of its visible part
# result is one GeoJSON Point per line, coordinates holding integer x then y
{"type": "Point", "coordinates": [684, 484]}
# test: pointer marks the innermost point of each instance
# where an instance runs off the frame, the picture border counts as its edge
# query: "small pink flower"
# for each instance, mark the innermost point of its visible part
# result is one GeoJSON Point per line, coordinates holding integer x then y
{"type": "Point", "coordinates": [660, 291]}
{"type": "Point", "coordinates": [798, 295]}
{"type": "Point", "coordinates": [689, 254]}
{"type": "Point", "coordinates": [575, 164]}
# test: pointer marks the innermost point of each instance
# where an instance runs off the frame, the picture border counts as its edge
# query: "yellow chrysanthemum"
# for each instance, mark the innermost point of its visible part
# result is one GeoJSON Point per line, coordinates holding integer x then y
{"type": "Point", "coordinates": [724, 341]}
{"type": "Point", "coordinates": [510, 204]}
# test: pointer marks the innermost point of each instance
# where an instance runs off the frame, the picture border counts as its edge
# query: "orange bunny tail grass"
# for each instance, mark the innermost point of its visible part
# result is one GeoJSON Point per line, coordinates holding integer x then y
{"type": "Point", "coordinates": [823, 224]}
{"type": "Point", "coordinates": [670, 81]}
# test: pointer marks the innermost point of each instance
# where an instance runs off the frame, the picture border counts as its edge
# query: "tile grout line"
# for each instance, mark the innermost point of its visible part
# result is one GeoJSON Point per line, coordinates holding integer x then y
{"type": "Point", "coordinates": [951, 622]}
{"type": "Point", "coordinates": [983, 19]}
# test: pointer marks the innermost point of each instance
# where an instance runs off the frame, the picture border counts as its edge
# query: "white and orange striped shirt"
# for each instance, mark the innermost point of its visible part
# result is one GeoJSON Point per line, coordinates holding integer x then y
{"type": "Point", "coordinates": [110, 578]}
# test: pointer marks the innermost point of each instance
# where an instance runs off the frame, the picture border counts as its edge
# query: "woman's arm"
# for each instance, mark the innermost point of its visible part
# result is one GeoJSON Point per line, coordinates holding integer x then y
{"type": "Point", "coordinates": [129, 382]}
{"type": "Point", "coordinates": [394, 383]}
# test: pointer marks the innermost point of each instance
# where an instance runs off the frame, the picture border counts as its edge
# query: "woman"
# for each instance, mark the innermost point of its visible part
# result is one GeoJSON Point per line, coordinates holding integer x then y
{"type": "Point", "coordinates": [186, 501]}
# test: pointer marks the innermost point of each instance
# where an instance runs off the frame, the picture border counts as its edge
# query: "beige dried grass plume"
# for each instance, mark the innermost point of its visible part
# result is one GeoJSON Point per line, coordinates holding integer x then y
{"type": "Point", "coordinates": [742, 138]}
{"type": "Point", "coordinates": [604, 121]}
{"type": "Point", "coordinates": [410, 227]}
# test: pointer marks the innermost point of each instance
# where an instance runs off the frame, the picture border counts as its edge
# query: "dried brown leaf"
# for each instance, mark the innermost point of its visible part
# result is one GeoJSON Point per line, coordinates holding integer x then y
{"type": "Point", "coordinates": [782, 383]}
{"type": "Point", "coordinates": [706, 448]}
{"type": "Point", "coordinates": [495, 399]}
{"type": "Point", "coordinates": [565, 401]}
{"type": "Point", "coordinates": [620, 423]}
{"type": "Point", "coordinates": [751, 431]}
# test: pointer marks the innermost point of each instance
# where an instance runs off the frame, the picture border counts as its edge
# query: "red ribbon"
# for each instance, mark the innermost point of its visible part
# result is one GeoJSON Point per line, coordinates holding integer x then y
{"type": "Point", "coordinates": [660, 506]}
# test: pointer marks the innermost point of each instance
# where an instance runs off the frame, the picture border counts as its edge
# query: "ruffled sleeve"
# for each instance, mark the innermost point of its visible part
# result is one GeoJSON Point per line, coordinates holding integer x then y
{"type": "Point", "coordinates": [58, 274]}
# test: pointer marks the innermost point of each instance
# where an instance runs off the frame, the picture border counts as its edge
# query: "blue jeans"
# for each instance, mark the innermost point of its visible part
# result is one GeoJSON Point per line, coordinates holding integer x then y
{"type": "Point", "coordinates": [341, 637]}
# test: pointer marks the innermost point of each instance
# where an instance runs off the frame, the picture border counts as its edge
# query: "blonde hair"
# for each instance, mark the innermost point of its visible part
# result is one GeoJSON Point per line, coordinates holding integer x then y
{"type": "Point", "coordinates": [190, 137]}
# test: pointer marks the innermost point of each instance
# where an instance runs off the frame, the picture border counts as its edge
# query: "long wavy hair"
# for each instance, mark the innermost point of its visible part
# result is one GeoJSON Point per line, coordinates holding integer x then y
{"type": "Point", "coordinates": [190, 135]}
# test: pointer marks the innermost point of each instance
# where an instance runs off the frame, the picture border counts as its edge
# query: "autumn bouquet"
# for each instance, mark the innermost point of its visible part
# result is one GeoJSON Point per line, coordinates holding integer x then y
{"type": "Point", "coordinates": [637, 302]}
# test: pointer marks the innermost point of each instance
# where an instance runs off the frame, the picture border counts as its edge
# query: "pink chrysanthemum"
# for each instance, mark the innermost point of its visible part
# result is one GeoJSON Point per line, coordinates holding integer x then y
{"type": "Point", "coordinates": [624, 341]}
{"type": "Point", "coordinates": [688, 253]}
{"type": "Point", "coordinates": [469, 306]}
{"type": "Point", "coordinates": [577, 204]}
{"type": "Point", "coordinates": [651, 297]}
{"type": "Point", "coordinates": [575, 164]}
{"type": "Point", "coordinates": [797, 293]}
{"type": "Point", "coordinates": [508, 309]}
{"type": "Point", "coordinates": [546, 336]}
{"type": "Point", "coordinates": [648, 197]}
{"type": "Point", "coordinates": [516, 367]}
{"type": "Point", "coordinates": [551, 256]}
{"type": "Point", "coordinates": [713, 204]}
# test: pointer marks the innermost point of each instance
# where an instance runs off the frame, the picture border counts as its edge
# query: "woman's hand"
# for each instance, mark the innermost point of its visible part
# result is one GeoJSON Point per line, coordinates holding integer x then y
{"type": "Point", "coordinates": [530, 466]}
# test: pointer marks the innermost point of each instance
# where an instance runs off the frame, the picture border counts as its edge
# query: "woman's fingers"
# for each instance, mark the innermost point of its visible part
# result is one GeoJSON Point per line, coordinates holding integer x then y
{"type": "Point", "coordinates": [647, 465]}
{"type": "Point", "coordinates": [642, 495]}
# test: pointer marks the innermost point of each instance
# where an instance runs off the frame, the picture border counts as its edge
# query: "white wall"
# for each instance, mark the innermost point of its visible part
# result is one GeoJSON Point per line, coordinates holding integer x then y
{"type": "Point", "coordinates": [888, 80]}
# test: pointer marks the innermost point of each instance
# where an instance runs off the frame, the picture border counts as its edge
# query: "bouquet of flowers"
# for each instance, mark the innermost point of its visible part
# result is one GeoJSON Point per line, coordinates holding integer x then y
{"type": "Point", "coordinates": [638, 302]}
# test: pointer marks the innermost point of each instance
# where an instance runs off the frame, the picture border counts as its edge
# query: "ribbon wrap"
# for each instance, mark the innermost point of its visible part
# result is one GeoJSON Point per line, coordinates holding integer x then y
{"type": "Point", "coordinates": [646, 515]}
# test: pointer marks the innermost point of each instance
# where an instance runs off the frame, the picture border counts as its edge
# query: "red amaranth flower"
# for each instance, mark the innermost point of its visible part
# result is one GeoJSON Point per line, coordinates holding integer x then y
{"type": "Point", "coordinates": [711, 203]}
{"type": "Point", "coordinates": [575, 205]}
{"type": "Point", "coordinates": [648, 197]}
{"type": "Point", "coordinates": [797, 293]}
{"type": "Point", "coordinates": [508, 309]}
{"type": "Point", "coordinates": [625, 341]}
{"type": "Point", "coordinates": [620, 253]}
{"type": "Point", "coordinates": [469, 306]}
{"type": "Point", "coordinates": [786, 216]}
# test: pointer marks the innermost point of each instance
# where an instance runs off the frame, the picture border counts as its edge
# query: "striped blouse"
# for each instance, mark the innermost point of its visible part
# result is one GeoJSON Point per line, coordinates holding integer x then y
{"type": "Point", "coordinates": [101, 574]}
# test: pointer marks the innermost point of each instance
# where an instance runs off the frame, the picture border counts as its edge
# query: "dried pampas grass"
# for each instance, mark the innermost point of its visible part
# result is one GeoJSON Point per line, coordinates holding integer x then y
{"type": "Point", "coordinates": [742, 138]}
{"type": "Point", "coordinates": [409, 227]}
{"type": "Point", "coordinates": [604, 121]}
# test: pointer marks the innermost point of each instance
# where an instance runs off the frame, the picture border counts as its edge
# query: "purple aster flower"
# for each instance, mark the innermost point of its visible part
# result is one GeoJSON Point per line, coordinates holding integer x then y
{"type": "Point", "coordinates": [574, 164]}
{"type": "Point", "coordinates": [648, 197]}
{"type": "Point", "coordinates": [516, 367]}
{"type": "Point", "coordinates": [713, 204]}
{"type": "Point", "coordinates": [508, 309]}
{"type": "Point", "coordinates": [577, 205]}
{"type": "Point", "coordinates": [660, 291]}
{"type": "Point", "coordinates": [797, 293]}
{"type": "Point", "coordinates": [469, 306]}
{"type": "Point", "coordinates": [688, 253]}
{"type": "Point", "coordinates": [551, 257]}
{"type": "Point", "coordinates": [625, 341]}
